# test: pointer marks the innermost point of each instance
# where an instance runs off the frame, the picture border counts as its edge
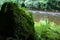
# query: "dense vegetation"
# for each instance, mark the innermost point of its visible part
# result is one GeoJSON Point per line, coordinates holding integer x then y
{"type": "Point", "coordinates": [42, 4]}
{"type": "Point", "coordinates": [46, 30]}
{"type": "Point", "coordinates": [16, 22]}
{"type": "Point", "coordinates": [38, 4]}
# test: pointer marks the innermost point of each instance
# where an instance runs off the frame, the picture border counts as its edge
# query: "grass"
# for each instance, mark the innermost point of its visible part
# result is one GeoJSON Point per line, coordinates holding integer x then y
{"type": "Point", "coordinates": [46, 30]}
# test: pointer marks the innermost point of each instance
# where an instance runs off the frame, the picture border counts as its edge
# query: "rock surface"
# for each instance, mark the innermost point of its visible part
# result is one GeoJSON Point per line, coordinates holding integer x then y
{"type": "Point", "coordinates": [16, 22]}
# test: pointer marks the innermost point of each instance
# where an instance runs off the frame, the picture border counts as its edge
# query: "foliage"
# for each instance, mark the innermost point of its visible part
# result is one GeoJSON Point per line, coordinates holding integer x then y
{"type": "Point", "coordinates": [46, 30]}
{"type": "Point", "coordinates": [16, 22]}
{"type": "Point", "coordinates": [37, 4]}
{"type": "Point", "coordinates": [3, 1]}
{"type": "Point", "coordinates": [43, 4]}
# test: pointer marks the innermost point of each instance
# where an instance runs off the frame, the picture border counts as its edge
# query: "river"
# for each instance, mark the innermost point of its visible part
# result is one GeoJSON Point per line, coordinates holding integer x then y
{"type": "Point", "coordinates": [51, 16]}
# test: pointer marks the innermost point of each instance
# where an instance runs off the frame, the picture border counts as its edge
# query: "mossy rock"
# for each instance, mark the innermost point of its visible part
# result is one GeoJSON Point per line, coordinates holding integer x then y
{"type": "Point", "coordinates": [16, 22]}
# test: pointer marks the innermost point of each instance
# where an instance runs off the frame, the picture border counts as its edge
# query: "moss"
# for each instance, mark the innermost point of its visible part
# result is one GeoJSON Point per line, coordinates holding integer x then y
{"type": "Point", "coordinates": [16, 22]}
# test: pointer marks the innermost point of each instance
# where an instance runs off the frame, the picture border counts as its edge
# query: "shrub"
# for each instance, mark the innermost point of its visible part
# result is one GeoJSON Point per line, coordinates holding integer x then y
{"type": "Point", "coordinates": [46, 30]}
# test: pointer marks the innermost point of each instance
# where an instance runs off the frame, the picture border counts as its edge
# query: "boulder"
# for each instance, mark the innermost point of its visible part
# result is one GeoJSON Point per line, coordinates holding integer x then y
{"type": "Point", "coordinates": [16, 22]}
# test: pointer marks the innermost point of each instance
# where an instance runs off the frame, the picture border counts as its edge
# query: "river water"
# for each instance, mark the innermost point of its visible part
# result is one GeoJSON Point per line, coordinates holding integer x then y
{"type": "Point", "coordinates": [51, 16]}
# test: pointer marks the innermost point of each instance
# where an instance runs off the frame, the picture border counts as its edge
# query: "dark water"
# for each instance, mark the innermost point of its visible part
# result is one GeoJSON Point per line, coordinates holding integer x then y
{"type": "Point", "coordinates": [51, 16]}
